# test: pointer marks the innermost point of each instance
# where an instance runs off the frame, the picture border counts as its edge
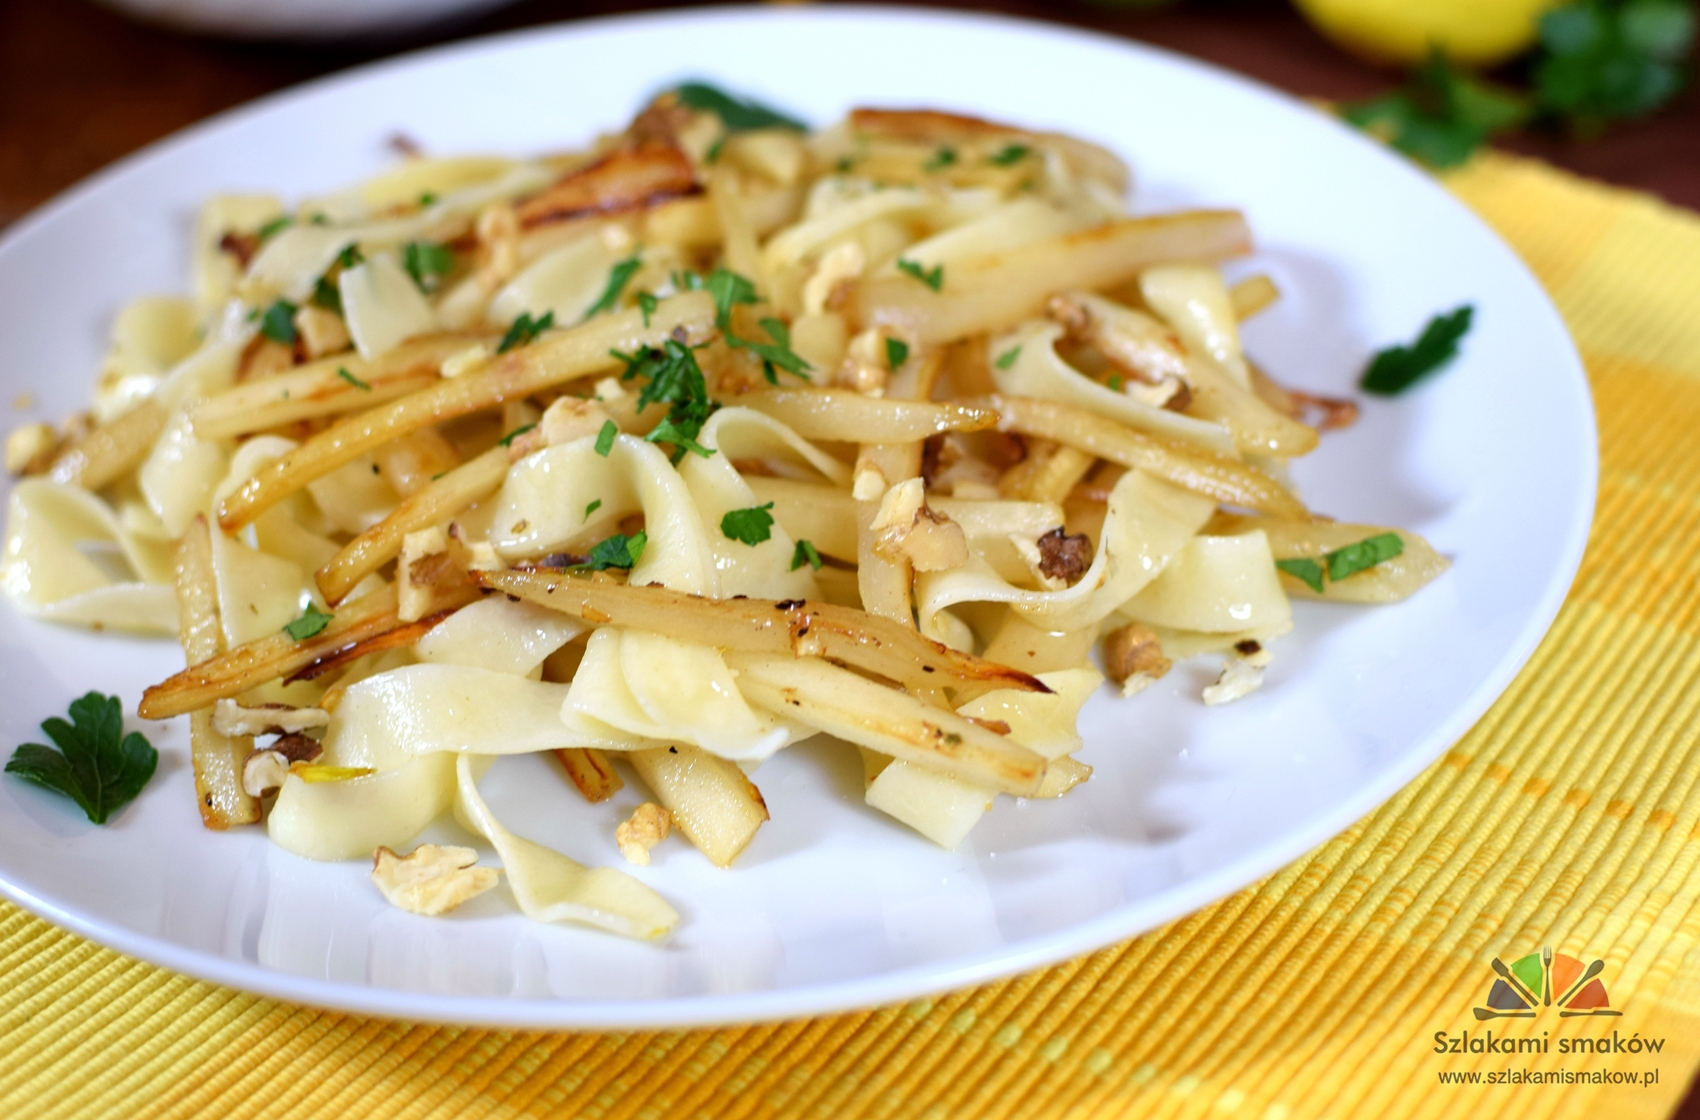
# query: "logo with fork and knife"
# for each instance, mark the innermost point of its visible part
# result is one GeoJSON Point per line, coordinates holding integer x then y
{"type": "Point", "coordinates": [1544, 979]}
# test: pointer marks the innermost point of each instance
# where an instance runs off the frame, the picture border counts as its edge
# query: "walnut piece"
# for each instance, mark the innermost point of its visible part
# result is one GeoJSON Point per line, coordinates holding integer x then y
{"type": "Point", "coordinates": [322, 332]}
{"type": "Point", "coordinates": [1133, 657]}
{"type": "Point", "coordinates": [569, 418]}
{"type": "Point", "coordinates": [432, 879]}
{"type": "Point", "coordinates": [231, 718]}
{"type": "Point", "coordinates": [1064, 556]}
{"type": "Point", "coordinates": [264, 772]}
{"type": "Point", "coordinates": [1240, 677]}
{"type": "Point", "coordinates": [864, 367]}
{"type": "Point", "coordinates": [427, 568]}
{"type": "Point", "coordinates": [648, 826]}
{"type": "Point", "coordinates": [906, 529]}
{"type": "Point", "coordinates": [836, 271]}
{"type": "Point", "coordinates": [30, 448]}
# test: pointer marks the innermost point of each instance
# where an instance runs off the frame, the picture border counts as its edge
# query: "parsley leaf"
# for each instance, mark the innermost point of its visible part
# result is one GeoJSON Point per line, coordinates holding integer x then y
{"type": "Point", "coordinates": [751, 526]}
{"type": "Point", "coordinates": [342, 372]}
{"type": "Point", "coordinates": [942, 158]}
{"type": "Point", "coordinates": [605, 438]}
{"type": "Point", "coordinates": [428, 263]}
{"type": "Point", "coordinates": [1611, 61]}
{"type": "Point", "coordinates": [933, 279]}
{"type": "Point", "coordinates": [1116, 382]}
{"type": "Point", "coordinates": [672, 377]}
{"type": "Point", "coordinates": [592, 508]}
{"type": "Point", "coordinates": [1308, 571]}
{"type": "Point", "coordinates": [1011, 153]}
{"type": "Point", "coordinates": [647, 303]}
{"type": "Point", "coordinates": [896, 352]}
{"type": "Point", "coordinates": [97, 765]}
{"type": "Point", "coordinates": [805, 553]}
{"type": "Point", "coordinates": [728, 290]}
{"type": "Point", "coordinates": [776, 353]}
{"type": "Point", "coordinates": [1007, 358]}
{"type": "Point", "coordinates": [327, 295]}
{"type": "Point", "coordinates": [350, 256]}
{"type": "Point", "coordinates": [278, 322]}
{"type": "Point", "coordinates": [427, 199]}
{"type": "Point", "coordinates": [1441, 116]}
{"type": "Point", "coordinates": [524, 330]}
{"type": "Point", "coordinates": [736, 115]}
{"type": "Point", "coordinates": [617, 277]}
{"type": "Point", "coordinates": [312, 621]}
{"type": "Point", "coordinates": [681, 436]}
{"type": "Point", "coordinates": [508, 440]}
{"type": "Point", "coordinates": [617, 551]}
{"type": "Point", "coordinates": [1397, 368]}
{"type": "Point", "coordinates": [274, 227]}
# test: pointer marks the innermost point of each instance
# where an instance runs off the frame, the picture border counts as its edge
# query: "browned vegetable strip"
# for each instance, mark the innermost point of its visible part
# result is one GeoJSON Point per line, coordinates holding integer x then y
{"type": "Point", "coordinates": [628, 179]}
{"type": "Point", "coordinates": [217, 758]}
{"type": "Point", "coordinates": [110, 451]}
{"type": "Point", "coordinates": [934, 126]}
{"type": "Point", "coordinates": [1252, 295]}
{"type": "Point", "coordinates": [844, 414]}
{"type": "Point", "coordinates": [1229, 481]}
{"type": "Point", "coordinates": [395, 638]}
{"type": "Point", "coordinates": [583, 350]}
{"type": "Point", "coordinates": [988, 293]}
{"type": "Point", "coordinates": [716, 807]}
{"type": "Point", "coordinates": [319, 389]}
{"type": "Point", "coordinates": [438, 502]}
{"type": "Point", "coordinates": [591, 771]}
{"type": "Point", "coordinates": [266, 659]}
{"type": "Point", "coordinates": [791, 626]}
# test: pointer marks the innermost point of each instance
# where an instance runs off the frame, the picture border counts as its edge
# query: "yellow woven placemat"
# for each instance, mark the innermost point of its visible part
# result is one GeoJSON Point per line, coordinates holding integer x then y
{"type": "Point", "coordinates": [1568, 817]}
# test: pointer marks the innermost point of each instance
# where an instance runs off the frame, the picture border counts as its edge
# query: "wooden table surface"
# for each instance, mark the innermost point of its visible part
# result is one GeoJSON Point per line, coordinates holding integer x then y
{"type": "Point", "coordinates": [80, 86]}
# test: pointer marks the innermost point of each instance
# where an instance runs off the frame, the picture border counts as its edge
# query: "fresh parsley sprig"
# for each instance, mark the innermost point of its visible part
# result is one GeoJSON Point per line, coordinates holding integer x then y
{"type": "Point", "coordinates": [617, 278]}
{"type": "Point", "coordinates": [896, 352]}
{"type": "Point", "coordinates": [1441, 115]}
{"type": "Point", "coordinates": [1010, 154]}
{"type": "Point", "coordinates": [1342, 562]}
{"type": "Point", "coordinates": [1602, 61]}
{"type": "Point", "coordinates": [277, 322]}
{"type": "Point", "coordinates": [738, 115]}
{"type": "Point", "coordinates": [311, 623]}
{"type": "Point", "coordinates": [524, 330]}
{"type": "Point", "coordinates": [428, 263]}
{"type": "Point", "coordinates": [342, 372]}
{"type": "Point", "coordinates": [749, 526]}
{"type": "Point", "coordinates": [617, 551]}
{"type": "Point", "coordinates": [1397, 368]}
{"type": "Point", "coordinates": [96, 764]}
{"type": "Point", "coordinates": [933, 278]}
{"type": "Point", "coordinates": [805, 553]}
{"type": "Point", "coordinates": [671, 376]}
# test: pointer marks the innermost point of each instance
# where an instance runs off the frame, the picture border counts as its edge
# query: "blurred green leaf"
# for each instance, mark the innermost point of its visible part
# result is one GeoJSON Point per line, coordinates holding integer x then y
{"type": "Point", "coordinates": [1602, 61]}
{"type": "Point", "coordinates": [1441, 115]}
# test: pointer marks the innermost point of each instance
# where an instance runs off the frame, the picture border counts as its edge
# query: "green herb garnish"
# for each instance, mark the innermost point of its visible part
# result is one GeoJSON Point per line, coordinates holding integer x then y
{"type": "Point", "coordinates": [1116, 382]}
{"type": "Point", "coordinates": [592, 508]}
{"type": "Point", "coordinates": [647, 303]}
{"type": "Point", "coordinates": [618, 551]}
{"type": "Point", "coordinates": [617, 277]}
{"type": "Point", "coordinates": [1011, 153]}
{"type": "Point", "coordinates": [728, 289]}
{"type": "Point", "coordinates": [312, 621]}
{"type": "Point", "coordinates": [751, 526]}
{"type": "Point", "coordinates": [327, 295]}
{"type": "Point", "coordinates": [524, 330]}
{"type": "Point", "coordinates": [278, 322]}
{"type": "Point", "coordinates": [508, 440]}
{"type": "Point", "coordinates": [1342, 562]}
{"type": "Point", "coordinates": [777, 353]}
{"type": "Point", "coordinates": [942, 158]}
{"type": "Point", "coordinates": [671, 376]}
{"type": "Point", "coordinates": [342, 372]}
{"type": "Point", "coordinates": [805, 553]}
{"type": "Point", "coordinates": [1611, 61]}
{"type": "Point", "coordinates": [896, 352]}
{"type": "Point", "coordinates": [274, 227]}
{"type": "Point", "coordinates": [1397, 368]}
{"type": "Point", "coordinates": [428, 263]}
{"type": "Point", "coordinates": [1440, 116]}
{"type": "Point", "coordinates": [605, 438]}
{"type": "Point", "coordinates": [427, 199]}
{"type": "Point", "coordinates": [1307, 571]}
{"type": "Point", "coordinates": [736, 115]}
{"type": "Point", "coordinates": [933, 279]}
{"type": "Point", "coordinates": [1007, 358]}
{"type": "Point", "coordinates": [97, 765]}
{"type": "Point", "coordinates": [350, 256]}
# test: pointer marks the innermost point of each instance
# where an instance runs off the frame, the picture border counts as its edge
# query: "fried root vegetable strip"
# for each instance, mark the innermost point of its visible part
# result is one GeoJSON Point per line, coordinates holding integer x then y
{"type": "Point", "coordinates": [933, 126]}
{"type": "Point", "coordinates": [111, 450]}
{"type": "Point", "coordinates": [793, 627]}
{"type": "Point", "coordinates": [843, 414]}
{"type": "Point", "coordinates": [591, 771]}
{"type": "Point", "coordinates": [885, 583]}
{"type": "Point", "coordinates": [628, 179]}
{"type": "Point", "coordinates": [266, 659]}
{"type": "Point", "coordinates": [435, 504]}
{"type": "Point", "coordinates": [1252, 295]}
{"type": "Point", "coordinates": [712, 802]}
{"type": "Point", "coordinates": [1229, 481]}
{"type": "Point", "coordinates": [988, 293]}
{"type": "Point", "coordinates": [571, 354]}
{"type": "Point", "coordinates": [217, 758]}
{"type": "Point", "coordinates": [320, 389]}
{"type": "Point", "coordinates": [1389, 581]}
{"type": "Point", "coordinates": [395, 638]}
{"type": "Point", "coordinates": [859, 711]}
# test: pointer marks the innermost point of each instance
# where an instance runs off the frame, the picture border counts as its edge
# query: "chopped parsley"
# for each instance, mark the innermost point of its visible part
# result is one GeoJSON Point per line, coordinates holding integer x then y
{"type": "Point", "coordinates": [1397, 368]}
{"type": "Point", "coordinates": [350, 256]}
{"type": "Point", "coordinates": [728, 289]}
{"type": "Point", "coordinates": [605, 438]}
{"type": "Point", "coordinates": [592, 508]}
{"type": "Point", "coordinates": [617, 551]}
{"type": "Point", "coordinates": [805, 553]}
{"type": "Point", "coordinates": [278, 322]}
{"type": "Point", "coordinates": [428, 263]}
{"type": "Point", "coordinates": [1440, 116]}
{"type": "Point", "coordinates": [647, 303]}
{"type": "Point", "coordinates": [737, 115]}
{"type": "Point", "coordinates": [933, 279]}
{"type": "Point", "coordinates": [327, 295]}
{"type": "Point", "coordinates": [1607, 61]}
{"type": "Point", "coordinates": [508, 440]}
{"type": "Point", "coordinates": [1116, 382]}
{"type": "Point", "coordinates": [342, 372]}
{"type": "Point", "coordinates": [1007, 358]}
{"type": "Point", "coordinates": [671, 376]}
{"type": "Point", "coordinates": [427, 199]}
{"type": "Point", "coordinates": [274, 227]}
{"type": "Point", "coordinates": [896, 352]}
{"type": "Point", "coordinates": [777, 353]}
{"type": "Point", "coordinates": [312, 621]}
{"type": "Point", "coordinates": [524, 330]}
{"type": "Point", "coordinates": [750, 526]}
{"type": "Point", "coordinates": [942, 158]}
{"type": "Point", "coordinates": [1343, 562]}
{"type": "Point", "coordinates": [96, 764]}
{"type": "Point", "coordinates": [617, 278]}
{"type": "Point", "coordinates": [1011, 153]}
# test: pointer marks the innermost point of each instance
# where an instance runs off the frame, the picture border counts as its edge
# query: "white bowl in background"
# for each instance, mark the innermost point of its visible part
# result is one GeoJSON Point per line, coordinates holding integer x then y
{"type": "Point", "coordinates": [300, 19]}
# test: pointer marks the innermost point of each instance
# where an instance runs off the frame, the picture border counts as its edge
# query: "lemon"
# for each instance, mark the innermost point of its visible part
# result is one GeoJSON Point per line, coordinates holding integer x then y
{"type": "Point", "coordinates": [1476, 32]}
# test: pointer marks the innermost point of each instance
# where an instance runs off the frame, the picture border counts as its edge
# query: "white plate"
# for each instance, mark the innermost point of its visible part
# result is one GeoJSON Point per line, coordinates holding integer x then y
{"type": "Point", "coordinates": [834, 906]}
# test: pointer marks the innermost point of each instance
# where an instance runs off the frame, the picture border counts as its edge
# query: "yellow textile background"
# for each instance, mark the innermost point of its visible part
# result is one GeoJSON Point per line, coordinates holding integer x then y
{"type": "Point", "coordinates": [1570, 817]}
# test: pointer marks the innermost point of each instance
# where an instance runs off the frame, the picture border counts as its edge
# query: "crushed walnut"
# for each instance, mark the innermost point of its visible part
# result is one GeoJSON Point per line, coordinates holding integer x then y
{"type": "Point", "coordinates": [231, 718]}
{"type": "Point", "coordinates": [837, 270]}
{"type": "Point", "coordinates": [264, 770]}
{"type": "Point", "coordinates": [427, 568]}
{"type": "Point", "coordinates": [322, 332]}
{"type": "Point", "coordinates": [864, 366]}
{"type": "Point", "coordinates": [648, 825]}
{"type": "Point", "coordinates": [1064, 556]}
{"type": "Point", "coordinates": [906, 529]}
{"type": "Point", "coordinates": [1133, 657]}
{"type": "Point", "coordinates": [432, 879]}
{"type": "Point", "coordinates": [1240, 676]}
{"type": "Point", "coordinates": [30, 449]}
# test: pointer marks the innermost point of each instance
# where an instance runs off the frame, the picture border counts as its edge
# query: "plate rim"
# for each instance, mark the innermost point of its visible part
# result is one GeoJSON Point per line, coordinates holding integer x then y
{"type": "Point", "coordinates": [914, 981]}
